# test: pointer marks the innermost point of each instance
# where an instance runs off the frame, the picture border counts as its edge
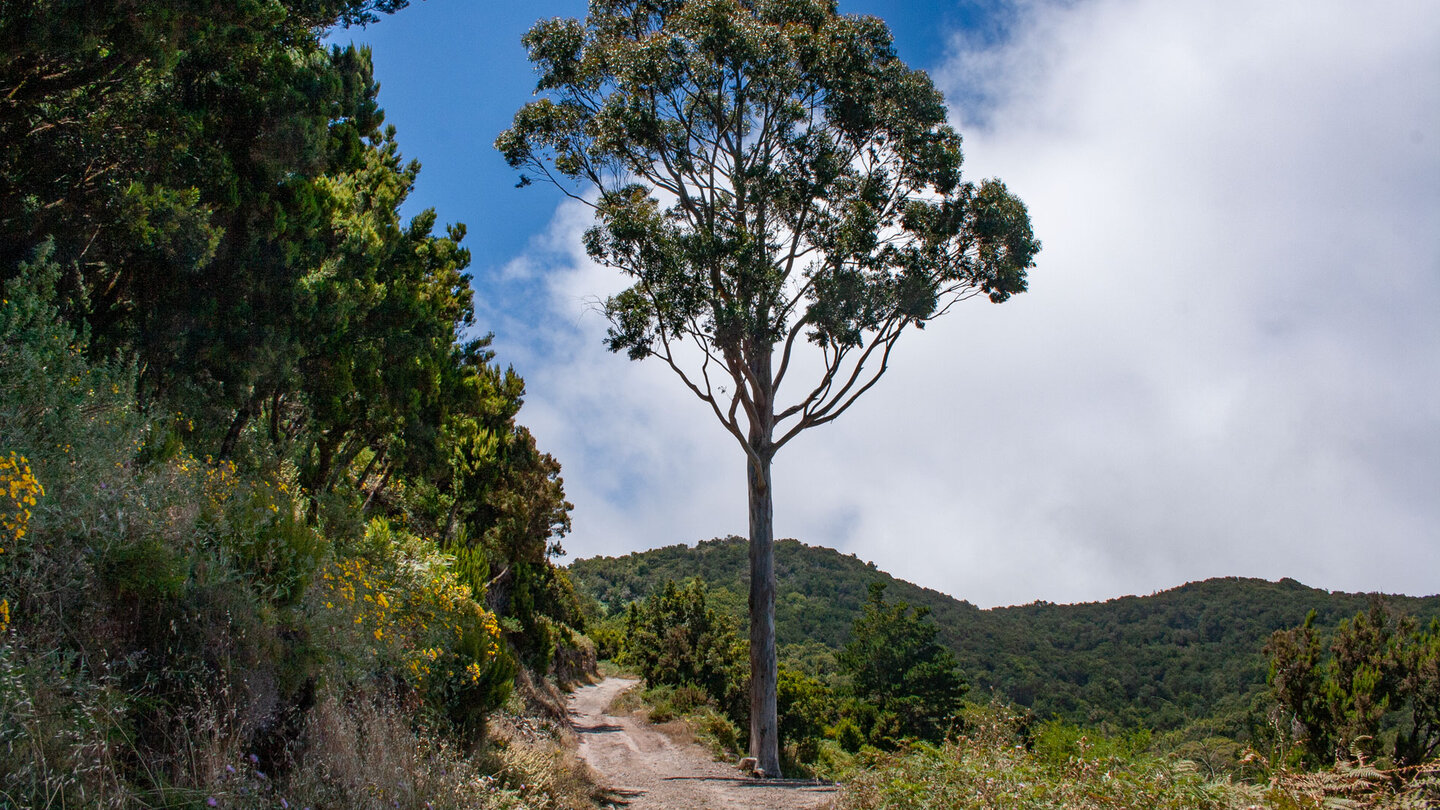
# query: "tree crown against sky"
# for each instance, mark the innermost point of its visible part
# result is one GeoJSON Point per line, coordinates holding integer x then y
{"type": "Point", "coordinates": [764, 172]}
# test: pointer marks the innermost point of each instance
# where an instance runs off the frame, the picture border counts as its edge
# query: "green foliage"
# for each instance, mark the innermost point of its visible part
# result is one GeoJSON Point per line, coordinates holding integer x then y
{"type": "Point", "coordinates": [666, 702]}
{"type": "Point", "coordinates": [265, 534]}
{"type": "Point", "coordinates": [1372, 696]}
{"type": "Point", "coordinates": [807, 708]}
{"type": "Point", "coordinates": [159, 611]}
{"type": "Point", "coordinates": [847, 733]}
{"type": "Point", "coordinates": [762, 173]}
{"type": "Point", "coordinates": [1057, 743]}
{"type": "Point", "coordinates": [221, 204]}
{"type": "Point", "coordinates": [1297, 683]}
{"type": "Point", "coordinates": [609, 636]}
{"type": "Point", "coordinates": [251, 461]}
{"type": "Point", "coordinates": [990, 766]}
{"type": "Point", "coordinates": [821, 592]}
{"type": "Point", "coordinates": [390, 603]}
{"type": "Point", "coordinates": [675, 638]}
{"type": "Point", "coordinates": [692, 706]}
{"type": "Point", "coordinates": [145, 570]}
{"type": "Point", "coordinates": [159, 144]}
{"type": "Point", "coordinates": [908, 684]}
{"type": "Point", "coordinates": [635, 105]}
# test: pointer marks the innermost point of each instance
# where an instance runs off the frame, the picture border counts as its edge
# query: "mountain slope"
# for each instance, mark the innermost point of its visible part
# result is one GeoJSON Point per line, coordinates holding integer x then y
{"type": "Point", "coordinates": [1163, 661]}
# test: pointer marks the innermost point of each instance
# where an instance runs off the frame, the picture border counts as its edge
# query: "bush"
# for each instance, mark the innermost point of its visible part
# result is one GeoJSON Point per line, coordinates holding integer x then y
{"type": "Point", "coordinates": [675, 638]}
{"type": "Point", "coordinates": [608, 634]}
{"type": "Point", "coordinates": [905, 684]}
{"type": "Point", "coordinates": [396, 606]}
{"type": "Point", "coordinates": [1057, 742]}
{"type": "Point", "coordinates": [1373, 695]}
{"type": "Point", "coordinates": [806, 708]}
{"type": "Point", "coordinates": [694, 707]}
{"type": "Point", "coordinates": [172, 627]}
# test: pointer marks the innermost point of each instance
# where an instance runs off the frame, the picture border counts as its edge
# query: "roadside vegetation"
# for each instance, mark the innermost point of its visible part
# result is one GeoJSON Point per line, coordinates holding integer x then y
{"type": "Point", "coordinates": [270, 533]}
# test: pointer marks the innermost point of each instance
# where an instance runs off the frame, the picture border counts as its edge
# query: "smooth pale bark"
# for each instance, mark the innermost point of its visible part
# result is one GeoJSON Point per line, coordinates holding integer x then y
{"type": "Point", "coordinates": [764, 719]}
{"type": "Point", "coordinates": [764, 676]}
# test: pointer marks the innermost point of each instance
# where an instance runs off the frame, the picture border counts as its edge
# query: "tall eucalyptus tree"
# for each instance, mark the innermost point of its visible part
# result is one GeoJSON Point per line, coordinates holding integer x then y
{"type": "Point", "coordinates": [769, 175]}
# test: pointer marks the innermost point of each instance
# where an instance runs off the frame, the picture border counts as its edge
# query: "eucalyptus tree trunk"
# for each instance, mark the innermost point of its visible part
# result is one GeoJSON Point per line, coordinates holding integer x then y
{"type": "Point", "coordinates": [764, 675]}
{"type": "Point", "coordinates": [764, 719]}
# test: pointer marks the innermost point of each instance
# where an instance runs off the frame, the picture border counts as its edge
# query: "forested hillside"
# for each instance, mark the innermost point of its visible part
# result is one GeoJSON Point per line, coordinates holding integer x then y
{"type": "Point", "coordinates": [1164, 661]}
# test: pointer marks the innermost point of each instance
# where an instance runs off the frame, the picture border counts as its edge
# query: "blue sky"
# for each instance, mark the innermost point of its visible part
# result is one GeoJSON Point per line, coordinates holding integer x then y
{"type": "Point", "coordinates": [1228, 362]}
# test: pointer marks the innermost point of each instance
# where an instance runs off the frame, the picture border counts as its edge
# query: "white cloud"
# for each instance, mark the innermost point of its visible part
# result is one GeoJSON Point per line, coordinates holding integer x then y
{"type": "Point", "coordinates": [1229, 362]}
{"type": "Point", "coordinates": [644, 461]}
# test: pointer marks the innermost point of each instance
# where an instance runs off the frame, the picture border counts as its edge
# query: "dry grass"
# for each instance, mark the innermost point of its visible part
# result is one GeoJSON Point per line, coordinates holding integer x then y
{"type": "Point", "coordinates": [539, 756]}
{"type": "Point", "coordinates": [627, 701]}
{"type": "Point", "coordinates": [368, 757]}
{"type": "Point", "coordinates": [678, 731]}
{"type": "Point", "coordinates": [540, 697]}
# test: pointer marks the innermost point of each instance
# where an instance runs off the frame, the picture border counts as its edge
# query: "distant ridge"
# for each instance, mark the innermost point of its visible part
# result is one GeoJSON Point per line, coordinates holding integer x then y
{"type": "Point", "coordinates": [1168, 660]}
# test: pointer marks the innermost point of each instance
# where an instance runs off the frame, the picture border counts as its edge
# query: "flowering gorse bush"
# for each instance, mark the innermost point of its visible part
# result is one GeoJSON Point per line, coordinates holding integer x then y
{"type": "Point", "coordinates": [18, 491]}
{"type": "Point", "coordinates": [397, 604]}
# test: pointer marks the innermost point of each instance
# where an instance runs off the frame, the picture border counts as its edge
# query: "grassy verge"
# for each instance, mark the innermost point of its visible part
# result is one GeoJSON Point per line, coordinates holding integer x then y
{"type": "Point", "coordinates": [998, 762]}
{"type": "Point", "coordinates": [683, 712]}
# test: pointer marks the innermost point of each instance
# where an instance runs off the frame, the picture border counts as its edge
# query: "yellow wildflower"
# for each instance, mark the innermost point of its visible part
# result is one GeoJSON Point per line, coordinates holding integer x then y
{"type": "Point", "coordinates": [18, 491]}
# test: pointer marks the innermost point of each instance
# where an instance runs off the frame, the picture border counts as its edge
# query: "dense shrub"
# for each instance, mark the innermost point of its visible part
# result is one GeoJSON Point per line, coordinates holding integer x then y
{"type": "Point", "coordinates": [1374, 693]}
{"type": "Point", "coordinates": [807, 708]}
{"type": "Point", "coordinates": [905, 684]}
{"type": "Point", "coordinates": [676, 638]}
{"type": "Point", "coordinates": [989, 766]}
{"type": "Point", "coordinates": [257, 482]}
{"type": "Point", "coordinates": [608, 635]}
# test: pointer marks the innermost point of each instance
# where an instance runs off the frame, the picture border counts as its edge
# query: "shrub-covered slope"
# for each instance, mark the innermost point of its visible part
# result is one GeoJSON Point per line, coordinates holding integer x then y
{"type": "Point", "coordinates": [1164, 660]}
{"type": "Point", "coordinates": [270, 531]}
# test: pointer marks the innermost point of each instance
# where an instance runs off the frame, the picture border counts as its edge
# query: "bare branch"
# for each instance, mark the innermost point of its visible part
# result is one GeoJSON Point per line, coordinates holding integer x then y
{"type": "Point", "coordinates": [814, 420]}
{"type": "Point", "coordinates": [785, 356]}
{"type": "Point", "coordinates": [822, 388]}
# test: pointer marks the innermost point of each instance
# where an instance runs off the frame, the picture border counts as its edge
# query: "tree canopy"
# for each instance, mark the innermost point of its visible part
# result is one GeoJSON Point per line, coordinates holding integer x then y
{"type": "Point", "coordinates": [766, 172]}
{"type": "Point", "coordinates": [1374, 692]}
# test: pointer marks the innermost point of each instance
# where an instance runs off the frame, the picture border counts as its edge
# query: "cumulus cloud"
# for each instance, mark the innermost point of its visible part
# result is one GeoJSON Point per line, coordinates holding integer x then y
{"type": "Point", "coordinates": [1228, 362]}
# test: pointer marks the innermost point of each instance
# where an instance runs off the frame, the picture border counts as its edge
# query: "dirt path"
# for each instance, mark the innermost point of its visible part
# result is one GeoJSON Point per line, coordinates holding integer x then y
{"type": "Point", "coordinates": [646, 770]}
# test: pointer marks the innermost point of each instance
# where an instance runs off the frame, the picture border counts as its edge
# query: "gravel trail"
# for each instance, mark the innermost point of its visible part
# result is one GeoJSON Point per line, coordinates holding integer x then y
{"type": "Point", "coordinates": [647, 770]}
